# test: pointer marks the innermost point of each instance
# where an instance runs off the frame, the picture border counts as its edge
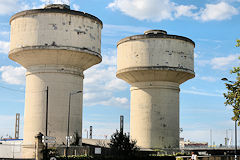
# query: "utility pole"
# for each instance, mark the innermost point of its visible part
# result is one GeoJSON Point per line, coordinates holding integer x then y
{"type": "Point", "coordinates": [211, 138]}
{"type": "Point", "coordinates": [235, 140]}
{"type": "Point", "coordinates": [68, 122]}
{"type": "Point", "coordinates": [46, 147]}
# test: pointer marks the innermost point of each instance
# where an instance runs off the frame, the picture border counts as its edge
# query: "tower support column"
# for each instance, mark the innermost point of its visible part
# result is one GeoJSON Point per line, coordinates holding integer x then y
{"type": "Point", "coordinates": [61, 80]}
{"type": "Point", "coordinates": [155, 105]}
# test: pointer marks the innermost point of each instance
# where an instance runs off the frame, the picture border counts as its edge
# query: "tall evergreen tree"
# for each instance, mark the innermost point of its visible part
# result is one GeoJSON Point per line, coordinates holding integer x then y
{"type": "Point", "coordinates": [121, 144]}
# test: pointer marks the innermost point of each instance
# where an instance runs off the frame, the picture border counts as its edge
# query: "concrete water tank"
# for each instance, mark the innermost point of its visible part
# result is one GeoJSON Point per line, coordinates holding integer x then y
{"type": "Point", "coordinates": [55, 45]}
{"type": "Point", "coordinates": [155, 64]}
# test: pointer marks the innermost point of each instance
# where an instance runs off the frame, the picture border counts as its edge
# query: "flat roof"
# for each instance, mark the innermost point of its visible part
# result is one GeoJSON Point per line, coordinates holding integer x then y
{"type": "Point", "coordinates": [155, 34]}
{"type": "Point", "coordinates": [55, 10]}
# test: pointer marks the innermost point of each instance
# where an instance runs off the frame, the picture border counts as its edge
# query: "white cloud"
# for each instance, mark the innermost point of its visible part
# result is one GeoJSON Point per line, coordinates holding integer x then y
{"type": "Point", "coordinates": [182, 10]}
{"type": "Point", "coordinates": [104, 99]}
{"type": "Point", "coordinates": [221, 63]}
{"type": "Point", "coordinates": [112, 32]}
{"type": "Point", "coordinates": [168, 10]}
{"type": "Point", "coordinates": [10, 6]}
{"type": "Point", "coordinates": [4, 33]}
{"type": "Point", "coordinates": [13, 75]}
{"type": "Point", "coordinates": [109, 60]}
{"type": "Point", "coordinates": [115, 102]}
{"type": "Point", "coordinates": [196, 55]}
{"type": "Point", "coordinates": [56, 1]}
{"type": "Point", "coordinates": [202, 93]}
{"type": "Point", "coordinates": [208, 78]}
{"type": "Point", "coordinates": [101, 84]}
{"type": "Point", "coordinates": [224, 63]}
{"type": "Point", "coordinates": [116, 84]}
{"type": "Point", "coordinates": [4, 47]}
{"type": "Point", "coordinates": [145, 9]}
{"type": "Point", "coordinates": [202, 63]}
{"type": "Point", "coordinates": [219, 11]}
{"type": "Point", "coordinates": [115, 30]}
{"type": "Point", "coordinates": [7, 7]}
{"type": "Point", "coordinates": [76, 7]}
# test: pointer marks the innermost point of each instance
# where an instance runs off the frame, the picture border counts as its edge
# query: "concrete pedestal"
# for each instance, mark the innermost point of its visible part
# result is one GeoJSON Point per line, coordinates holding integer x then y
{"type": "Point", "coordinates": [155, 114]}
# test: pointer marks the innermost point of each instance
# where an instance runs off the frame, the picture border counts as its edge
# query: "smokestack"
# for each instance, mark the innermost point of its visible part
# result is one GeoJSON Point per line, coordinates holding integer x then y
{"type": "Point", "coordinates": [17, 125]}
{"type": "Point", "coordinates": [121, 123]}
{"type": "Point", "coordinates": [90, 136]}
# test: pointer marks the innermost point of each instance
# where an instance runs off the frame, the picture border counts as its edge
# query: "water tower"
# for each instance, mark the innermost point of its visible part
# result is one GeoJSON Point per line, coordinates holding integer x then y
{"type": "Point", "coordinates": [55, 45]}
{"type": "Point", "coordinates": [155, 64]}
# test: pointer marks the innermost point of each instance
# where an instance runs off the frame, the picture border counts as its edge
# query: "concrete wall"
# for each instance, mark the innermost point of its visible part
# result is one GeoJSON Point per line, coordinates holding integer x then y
{"type": "Point", "coordinates": [154, 119]}
{"type": "Point", "coordinates": [161, 52]}
{"type": "Point", "coordinates": [10, 149]}
{"type": "Point", "coordinates": [60, 84]}
{"type": "Point", "coordinates": [158, 58]}
{"type": "Point", "coordinates": [51, 34]}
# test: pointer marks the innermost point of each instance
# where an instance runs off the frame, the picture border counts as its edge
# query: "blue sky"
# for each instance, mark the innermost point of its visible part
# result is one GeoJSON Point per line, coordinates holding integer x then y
{"type": "Point", "coordinates": [212, 24]}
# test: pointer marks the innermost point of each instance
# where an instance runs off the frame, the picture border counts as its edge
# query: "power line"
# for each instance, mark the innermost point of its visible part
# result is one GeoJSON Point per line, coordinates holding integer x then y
{"type": "Point", "coordinates": [11, 89]}
{"type": "Point", "coordinates": [17, 90]}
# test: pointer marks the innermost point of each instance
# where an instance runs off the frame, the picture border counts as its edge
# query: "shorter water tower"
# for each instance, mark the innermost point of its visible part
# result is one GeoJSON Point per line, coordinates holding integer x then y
{"type": "Point", "coordinates": [155, 64]}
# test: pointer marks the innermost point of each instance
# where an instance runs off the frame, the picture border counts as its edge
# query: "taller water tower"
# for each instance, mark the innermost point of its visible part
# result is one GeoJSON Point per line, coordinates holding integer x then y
{"type": "Point", "coordinates": [155, 64]}
{"type": "Point", "coordinates": [55, 45]}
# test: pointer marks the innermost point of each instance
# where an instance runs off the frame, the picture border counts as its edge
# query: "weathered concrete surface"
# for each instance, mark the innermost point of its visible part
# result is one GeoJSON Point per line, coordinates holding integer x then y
{"type": "Point", "coordinates": [154, 114]}
{"type": "Point", "coordinates": [155, 64]}
{"type": "Point", "coordinates": [55, 46]}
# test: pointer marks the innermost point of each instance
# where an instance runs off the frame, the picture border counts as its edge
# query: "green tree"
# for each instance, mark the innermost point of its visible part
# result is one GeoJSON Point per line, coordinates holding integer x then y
{"type": "Point", "coordinates": [233, 94]}
{"type": "Point", "coordinates": [121, 144]}
{"type": "Point", "coordinates": [238, 43]}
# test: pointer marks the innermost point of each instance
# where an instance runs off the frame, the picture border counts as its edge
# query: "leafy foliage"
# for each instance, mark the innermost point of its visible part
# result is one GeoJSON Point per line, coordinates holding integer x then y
{"type": "Point", "coordinates": [233, 94]}
{"type": "Point", "coordinates": [238, 43]}
{"type": "Point", "coordinates": [121, 144]}
{"type": "Point", "coordinates": [51, 152]}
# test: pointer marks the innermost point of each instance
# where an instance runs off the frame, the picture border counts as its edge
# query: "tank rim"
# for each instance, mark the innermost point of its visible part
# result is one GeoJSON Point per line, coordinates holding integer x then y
{"type": "Point", "coordinates": [155, 68]}
{"type": "Point", "coordinates": [159, 36]}
{"type": "Point", "coordinates": [54, 10]}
